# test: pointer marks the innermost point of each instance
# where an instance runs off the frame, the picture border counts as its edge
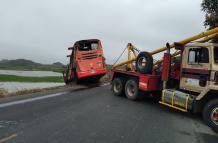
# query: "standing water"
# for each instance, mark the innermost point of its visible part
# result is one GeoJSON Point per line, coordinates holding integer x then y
{"type": "Point", "coordinates": [11, 87]}
{"type": "Point", "coordinates": [29, 73]}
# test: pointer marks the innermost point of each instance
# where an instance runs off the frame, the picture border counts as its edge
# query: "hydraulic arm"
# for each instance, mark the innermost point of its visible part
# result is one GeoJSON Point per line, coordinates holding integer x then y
{"type": "Point", "coordinates": [208, 35]}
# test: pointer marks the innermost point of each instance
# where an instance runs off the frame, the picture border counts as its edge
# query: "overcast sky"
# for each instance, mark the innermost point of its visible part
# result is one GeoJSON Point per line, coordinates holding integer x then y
{"type": "Point", "coordinates": [41, 30]}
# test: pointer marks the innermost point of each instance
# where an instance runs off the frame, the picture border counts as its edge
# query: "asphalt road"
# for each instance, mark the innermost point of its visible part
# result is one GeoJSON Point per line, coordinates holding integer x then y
{"type": "Point", "coordinates": [95, 115]}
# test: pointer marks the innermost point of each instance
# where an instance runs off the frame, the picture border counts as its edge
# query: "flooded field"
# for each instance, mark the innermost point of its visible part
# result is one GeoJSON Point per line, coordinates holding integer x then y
{"type": "Point", "coordinates": [11, 87]}
{"type": "Point", "coordinates": [29, 73]}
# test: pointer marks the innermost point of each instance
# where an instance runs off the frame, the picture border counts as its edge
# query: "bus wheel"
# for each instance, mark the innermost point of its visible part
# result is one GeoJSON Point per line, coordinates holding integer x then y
{"type": "Point", "coordinates": [118, 86]}
{"type": "Point", "coordinates": [131, 89]}
{"type": "Point", "coordinates": [210, 114]}
{"type": "Point", "coordinates": [65, 77]}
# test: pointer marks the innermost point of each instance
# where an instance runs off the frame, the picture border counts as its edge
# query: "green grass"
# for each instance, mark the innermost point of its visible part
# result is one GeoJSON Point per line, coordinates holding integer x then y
{"type": "Point", "coordinates": [14, 78]}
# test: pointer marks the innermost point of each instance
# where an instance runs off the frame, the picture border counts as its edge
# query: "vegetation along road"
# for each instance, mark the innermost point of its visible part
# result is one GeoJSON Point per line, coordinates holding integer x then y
{"type": "Point", "coordinates": [14, 78]}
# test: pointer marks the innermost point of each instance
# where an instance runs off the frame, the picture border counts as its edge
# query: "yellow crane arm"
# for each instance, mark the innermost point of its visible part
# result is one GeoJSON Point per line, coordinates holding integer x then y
{"type": "Point", "coordinates": [176, 53]}
{"type": "Point", "coordinates": [208, 38]}
{"type": "Point", "coordinates": [185, 41]}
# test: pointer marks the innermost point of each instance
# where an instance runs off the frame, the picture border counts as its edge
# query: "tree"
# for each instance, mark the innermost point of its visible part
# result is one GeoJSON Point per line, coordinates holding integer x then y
{"type": "Point", "coordinates": [210, 7]}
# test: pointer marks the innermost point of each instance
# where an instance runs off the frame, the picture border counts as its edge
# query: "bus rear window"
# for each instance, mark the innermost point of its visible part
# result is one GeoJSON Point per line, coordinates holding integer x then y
{"type": "Point", "coordinates": [88, 46]}
{"type": "Point", "coordinates": [216, 54]}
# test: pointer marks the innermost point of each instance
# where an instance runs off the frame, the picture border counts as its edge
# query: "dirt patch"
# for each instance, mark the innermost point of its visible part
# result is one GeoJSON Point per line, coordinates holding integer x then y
{"type": "Point", "coordinates": [73, 86]}
{"type": "Point", "coordinates": [3, 93]}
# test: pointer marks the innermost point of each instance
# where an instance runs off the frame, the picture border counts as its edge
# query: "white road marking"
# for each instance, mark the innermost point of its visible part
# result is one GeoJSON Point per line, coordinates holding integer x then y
{"type": "Point", "coordinates": [35, 98]}
{"type": "Point", "coordinates": [8, 138]}
{"type": "Point", "coordinates": [30, 100]}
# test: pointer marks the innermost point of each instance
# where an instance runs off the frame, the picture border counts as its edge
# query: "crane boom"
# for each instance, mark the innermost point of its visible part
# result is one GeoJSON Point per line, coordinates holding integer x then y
{"type": "Point", "coordinates": [185, 41]}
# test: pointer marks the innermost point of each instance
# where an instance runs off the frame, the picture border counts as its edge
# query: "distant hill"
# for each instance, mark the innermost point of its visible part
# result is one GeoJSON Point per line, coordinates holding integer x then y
{"type": "Point", "coordinates": [24, 64]}
{"type": "Point", "coordinates": [18, 62]}
{"type": "Point", "coordinates": [58, 64]}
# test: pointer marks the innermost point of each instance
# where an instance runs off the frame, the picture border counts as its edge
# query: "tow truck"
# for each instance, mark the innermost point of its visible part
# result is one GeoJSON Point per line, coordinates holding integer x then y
{"type": "Point", "coordinates": [186, 78]}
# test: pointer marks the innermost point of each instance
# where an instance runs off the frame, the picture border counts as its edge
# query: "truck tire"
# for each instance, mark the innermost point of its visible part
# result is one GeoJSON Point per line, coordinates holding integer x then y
{"type": "Point", "coordinates": [210, 114]}
{"type": "Point", "coordinates": [118, 86]}
{"type": "Point", "coordinates": [144, 63]}
{"type": "Point", "coordinates": [131, 89]}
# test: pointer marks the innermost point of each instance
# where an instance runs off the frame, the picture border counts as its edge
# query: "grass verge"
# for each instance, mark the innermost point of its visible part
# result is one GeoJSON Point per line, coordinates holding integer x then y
{"type": "Point", "coordinates": [14, 78]}
{"type": "Point", "coordinates": [4, 93]}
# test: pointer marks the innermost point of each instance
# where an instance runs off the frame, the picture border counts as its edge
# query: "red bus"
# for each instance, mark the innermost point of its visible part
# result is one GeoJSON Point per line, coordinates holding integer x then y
{"type": "Point", "coordinates": [86, 61]}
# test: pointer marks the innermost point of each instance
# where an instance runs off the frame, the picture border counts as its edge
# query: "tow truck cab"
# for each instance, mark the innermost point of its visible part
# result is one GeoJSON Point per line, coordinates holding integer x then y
{"type": "Point", "coordinates": [199, 67]}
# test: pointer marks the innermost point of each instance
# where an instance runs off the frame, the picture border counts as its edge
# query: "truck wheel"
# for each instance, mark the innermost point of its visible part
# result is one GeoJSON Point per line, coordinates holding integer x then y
{"type": "Point", "coordinates": [131, 89]}
{"type": "Point", "coordinates": [210, 114]}
{"type": "Point", "coordinates": [118, 86]}
{"type": "Point", "coordinates": [144, 63]}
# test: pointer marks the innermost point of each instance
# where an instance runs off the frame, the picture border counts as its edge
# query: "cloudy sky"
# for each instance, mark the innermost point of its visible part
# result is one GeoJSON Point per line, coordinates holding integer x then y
{"type": "Point", "coordinates": [41, 30]}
